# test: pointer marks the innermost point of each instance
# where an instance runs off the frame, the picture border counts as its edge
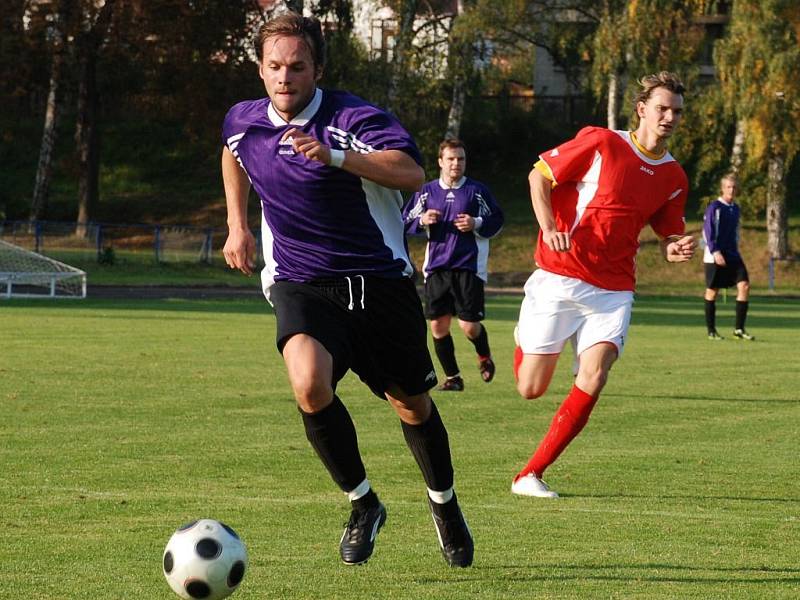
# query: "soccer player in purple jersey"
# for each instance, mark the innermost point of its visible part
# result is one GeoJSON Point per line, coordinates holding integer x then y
{"type": "Point", "coordinates": [459, 215]}
{"type": "Point", "coordinates": [724, 266]}
{"type": "Point", "coordinates": [327, 167]}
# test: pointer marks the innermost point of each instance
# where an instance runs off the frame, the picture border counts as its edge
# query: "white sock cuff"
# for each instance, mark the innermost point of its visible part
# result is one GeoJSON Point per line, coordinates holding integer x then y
{"type": "Point", "coordinates": [441, 497]}
{"type": "Point", "coordinates": [359, 491]}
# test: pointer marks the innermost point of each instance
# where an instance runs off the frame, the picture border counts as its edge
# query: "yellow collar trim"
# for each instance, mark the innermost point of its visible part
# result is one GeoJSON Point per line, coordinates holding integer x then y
{"type": "Point", "coordinates": [644, 151]}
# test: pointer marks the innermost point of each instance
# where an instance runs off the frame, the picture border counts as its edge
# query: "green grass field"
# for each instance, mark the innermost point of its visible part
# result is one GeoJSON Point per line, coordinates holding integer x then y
{"type": "Point", "coordinates": [123, 420]}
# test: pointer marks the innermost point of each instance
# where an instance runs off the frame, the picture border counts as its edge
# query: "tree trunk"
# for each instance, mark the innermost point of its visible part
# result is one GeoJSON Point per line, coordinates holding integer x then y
{"type": "Point", "coordinates": [460, 57]}
{"type": "Point", "coordinates": [456, 113]}
{"type": "Point", "coordinates": [612, 109]}
{"type": "Point", "coordinates": [408, 11]}
{"type": "Point", "coordinates": [86, 138]}
{"type": "Point", "coordinates": [44, 170]}
{"type": "Point", "coordinates": [737, 152]}
{"type": "Point", "coordinates": [777, 218]}
{"type": "Point", "coordinates": [88, 46]}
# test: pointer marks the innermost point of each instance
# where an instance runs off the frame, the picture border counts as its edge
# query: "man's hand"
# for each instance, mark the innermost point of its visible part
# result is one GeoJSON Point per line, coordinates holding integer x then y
{"type": "Point", "coordinates": [308, 145]}
{"type": "Point", "coordinates": [240, 250]}
{"type": "Point", "coordinates": [680, 250]}
{"type": "Point", "coordinates": [464, 222]}
{"type": "Point", "coordinates": [430, 216]}
{"type": "Point", "coordinates": [558, 241]}
{"type": "Point", "coordinates": [719, 259]}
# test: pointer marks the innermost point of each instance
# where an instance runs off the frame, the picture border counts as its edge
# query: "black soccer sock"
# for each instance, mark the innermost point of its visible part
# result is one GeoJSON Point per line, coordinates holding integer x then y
{"type": "Point", "coordinates": [446, 353]}
{"type": "Point", "coordinates": [481, 343]}
{"type": "Point", "coordinates": [741, 313]}
{"type": "Point", "coordinates": [430, 446]}
{"type": "Point", "coordinates": [711, 315]}
{"type": "Point", "coordinates": [333, 437]}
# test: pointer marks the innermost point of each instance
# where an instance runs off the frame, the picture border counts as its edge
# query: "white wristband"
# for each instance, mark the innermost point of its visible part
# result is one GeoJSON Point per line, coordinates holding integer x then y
{"type": "Point", "coordinates": [337, 158]}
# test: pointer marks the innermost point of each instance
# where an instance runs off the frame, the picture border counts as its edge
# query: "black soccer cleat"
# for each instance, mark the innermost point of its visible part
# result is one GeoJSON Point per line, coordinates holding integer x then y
{"type": "Point", "coordinates": [358, 539]}
{"type": "Point", "coordinates": [486, 367]}
{"type": "Point", "coordinates": [455, 538]}
{"type": "Point", "coordinates": [452, 384]}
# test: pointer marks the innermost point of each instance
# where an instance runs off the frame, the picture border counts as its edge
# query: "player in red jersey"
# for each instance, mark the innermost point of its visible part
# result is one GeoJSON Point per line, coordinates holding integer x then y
{"type": "Point", "coordinates": [592, 196]}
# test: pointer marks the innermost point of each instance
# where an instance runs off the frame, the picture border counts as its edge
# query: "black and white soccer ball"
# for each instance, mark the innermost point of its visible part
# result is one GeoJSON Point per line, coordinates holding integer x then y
{"type": "Point", "coordinates": [204, 559]}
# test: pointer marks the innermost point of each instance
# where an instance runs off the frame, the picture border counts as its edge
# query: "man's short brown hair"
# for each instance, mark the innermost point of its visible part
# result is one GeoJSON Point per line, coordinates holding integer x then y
{"type": "Point", "coordinates": [293, 24]}
{"type": "Point", "coordinates": [663, 79]}
{"type": "Point", "coordinates": [451, 143]}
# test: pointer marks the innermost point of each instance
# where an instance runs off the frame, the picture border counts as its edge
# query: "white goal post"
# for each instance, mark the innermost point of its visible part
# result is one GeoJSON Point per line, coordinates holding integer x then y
{"type": "Point", "coordinates": [27, 274]}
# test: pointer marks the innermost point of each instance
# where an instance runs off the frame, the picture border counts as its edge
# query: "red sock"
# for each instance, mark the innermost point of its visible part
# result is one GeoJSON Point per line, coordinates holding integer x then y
{"type": "Point", "coordinates": [517, 362]}
{"type": "Point", "coordinates": [568, 421]}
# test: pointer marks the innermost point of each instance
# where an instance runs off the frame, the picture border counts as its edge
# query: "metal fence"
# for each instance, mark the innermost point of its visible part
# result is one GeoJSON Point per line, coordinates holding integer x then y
{"type": "Point", "coordinates": [105, 241]}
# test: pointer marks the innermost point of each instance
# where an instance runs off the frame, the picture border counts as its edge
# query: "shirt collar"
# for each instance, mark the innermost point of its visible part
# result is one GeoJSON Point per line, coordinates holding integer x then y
{"type": "Point", "coordinates": [301, 118]}
{"type": "Point", "coordinates": [457, 185]}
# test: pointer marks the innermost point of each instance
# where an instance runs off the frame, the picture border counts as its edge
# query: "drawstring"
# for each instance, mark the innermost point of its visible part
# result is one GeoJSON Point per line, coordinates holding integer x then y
{"type": "Point", "coordinates": [363, 291]}
{"type": "Point", "coordinates": [350, 291]}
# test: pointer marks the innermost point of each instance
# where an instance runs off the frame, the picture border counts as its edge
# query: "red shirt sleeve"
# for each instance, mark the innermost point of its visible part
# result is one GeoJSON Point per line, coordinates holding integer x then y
{"type": "Point", "coordinates": [570, 160]}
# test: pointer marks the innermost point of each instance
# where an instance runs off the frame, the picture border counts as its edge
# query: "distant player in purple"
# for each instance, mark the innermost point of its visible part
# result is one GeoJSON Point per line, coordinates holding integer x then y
{"type": "Point", "coordinates": [327, 166]}
{"type": "Point", "coordinates": [724, 266]}
{"type": "Point", "coordinates": [459, 215]}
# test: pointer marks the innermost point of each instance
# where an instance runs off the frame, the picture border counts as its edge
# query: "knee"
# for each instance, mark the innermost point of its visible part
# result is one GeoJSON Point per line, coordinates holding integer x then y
{"type": "Point", "coordinates": [471, 329]}
{"type": "Point", "coordinates": [311, 394]}
{"type": "Point", "coordinates": [592, 382]}
{"type": "Point", "coordinates": [530, 390]}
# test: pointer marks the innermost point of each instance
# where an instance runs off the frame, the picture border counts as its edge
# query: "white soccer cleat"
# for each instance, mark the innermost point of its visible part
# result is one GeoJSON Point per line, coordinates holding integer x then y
{"type": "Point", "coordinates": [530, 485]}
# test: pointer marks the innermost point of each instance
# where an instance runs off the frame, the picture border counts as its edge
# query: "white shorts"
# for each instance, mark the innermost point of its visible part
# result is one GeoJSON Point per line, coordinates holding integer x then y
{"type": "Point", "coordinates": [557, 308]}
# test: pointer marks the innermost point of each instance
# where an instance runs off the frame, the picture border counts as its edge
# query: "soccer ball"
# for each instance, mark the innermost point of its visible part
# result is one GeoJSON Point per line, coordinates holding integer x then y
{"type": "Point", "coordinates": [204, 559]}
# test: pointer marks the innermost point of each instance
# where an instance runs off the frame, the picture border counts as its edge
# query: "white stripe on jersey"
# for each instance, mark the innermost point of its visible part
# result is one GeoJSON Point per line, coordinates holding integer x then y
{"type": "Point", "coordinates": [270, 264]}
{"type": "Point", "coordinates": [587, 188]}
{"type": "Point", "coordinates": [348, 141]}
{"type": "Point", "coordinates": [385, 208]}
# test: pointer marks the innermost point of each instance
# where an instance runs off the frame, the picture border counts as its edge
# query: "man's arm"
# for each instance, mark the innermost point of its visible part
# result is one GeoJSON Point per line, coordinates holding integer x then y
{"type": "Point", "coordinates": [389, 168]}
{"type": "Point", "coordinates": [543, 209]}
{"type": "Point", "coordinates": [240, 247]}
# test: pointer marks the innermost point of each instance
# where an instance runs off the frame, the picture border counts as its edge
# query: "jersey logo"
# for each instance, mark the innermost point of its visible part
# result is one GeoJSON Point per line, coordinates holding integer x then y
{"type": "Point", "coordinates": [646, 170]}
{"type": "Point", "coordinates": [451, 197]}
{"type": "Point", "coordinates": [554, 153]}
{"type": "Point", "coordinates": [675, 193]}
{"type": "Point", "coordinates": [287, 142]}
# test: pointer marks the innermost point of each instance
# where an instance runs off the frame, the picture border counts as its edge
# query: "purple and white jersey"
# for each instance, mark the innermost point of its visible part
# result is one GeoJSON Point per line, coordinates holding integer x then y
{"type": "Point", "coordinates": [448, 248]}
{"type": "Point", "coordinates": [318, 221]}
{"type": "Point", "coordinates": [721, 230]}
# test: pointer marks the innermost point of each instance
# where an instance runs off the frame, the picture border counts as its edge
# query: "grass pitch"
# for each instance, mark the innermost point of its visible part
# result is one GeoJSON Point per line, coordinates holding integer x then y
{"type": "Point", "coordinates": [122, 420]}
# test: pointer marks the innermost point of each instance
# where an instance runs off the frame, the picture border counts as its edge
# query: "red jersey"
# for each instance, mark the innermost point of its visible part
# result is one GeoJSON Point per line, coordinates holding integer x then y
{"type": "Point", "coordinates": [607, 190]}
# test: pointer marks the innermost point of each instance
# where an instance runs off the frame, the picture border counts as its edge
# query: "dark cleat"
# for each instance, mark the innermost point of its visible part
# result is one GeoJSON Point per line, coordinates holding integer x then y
{"type": "Point", "coordinates": [455, 538]}
{"type": "Point", "coordinates": [486, 367]}
{"type": "Point", "coordinates": [358, 539]}
{"type": "Point", "coordinates": [452, 384]}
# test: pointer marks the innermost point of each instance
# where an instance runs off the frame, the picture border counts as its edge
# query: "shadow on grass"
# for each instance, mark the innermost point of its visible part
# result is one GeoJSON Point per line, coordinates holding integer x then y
{"type": "Point", "coordinates": [639, 574]}
{"type": "Point", "coordinates": [698, 398]}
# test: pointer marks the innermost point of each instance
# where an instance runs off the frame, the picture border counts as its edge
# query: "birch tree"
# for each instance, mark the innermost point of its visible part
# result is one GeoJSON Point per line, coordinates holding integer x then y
{"type": "Point", "coordinates": [758, 62]}
{"type": "Point", "coordinates": [41, 189]}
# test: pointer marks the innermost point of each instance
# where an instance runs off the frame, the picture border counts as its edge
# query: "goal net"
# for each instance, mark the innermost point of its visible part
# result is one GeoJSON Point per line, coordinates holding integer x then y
{"type": "Point", "coordinates": [26, 274]}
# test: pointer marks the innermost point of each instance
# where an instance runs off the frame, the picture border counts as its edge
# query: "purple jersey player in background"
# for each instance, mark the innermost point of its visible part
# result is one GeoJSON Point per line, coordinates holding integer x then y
{"type": "Point", "coordinates": [327, 167]}
{"type": "Point", "coordinates": [723, 264]}
{"type": "Point", "coordinates": [459, 215]}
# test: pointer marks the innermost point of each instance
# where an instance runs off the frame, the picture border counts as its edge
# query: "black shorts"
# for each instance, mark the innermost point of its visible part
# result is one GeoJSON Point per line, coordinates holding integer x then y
{"type": "Point", "coordinates": [724, 277]}
{"type": "Point", "coordinates": [371, 325]}
{"type": "Point", "coordinates": [455, 292]}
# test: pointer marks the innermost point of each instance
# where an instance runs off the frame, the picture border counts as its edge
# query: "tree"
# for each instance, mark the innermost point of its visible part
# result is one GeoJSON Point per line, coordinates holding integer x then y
{"type": "Point", "coordinates": [95, 23]}
{"type": "Point", "coordinates": [758, 62]}
{"type": "Point", "coordinates": [406, 10]}
{"type": "Point", "coordinates": [41, 190]}
{"type": "Point", "coordinates": [460, 58]}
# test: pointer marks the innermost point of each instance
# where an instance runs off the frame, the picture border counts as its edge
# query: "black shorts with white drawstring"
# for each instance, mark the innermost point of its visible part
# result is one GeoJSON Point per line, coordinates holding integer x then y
{"type": "Point", "coordinates": [371, 325]}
